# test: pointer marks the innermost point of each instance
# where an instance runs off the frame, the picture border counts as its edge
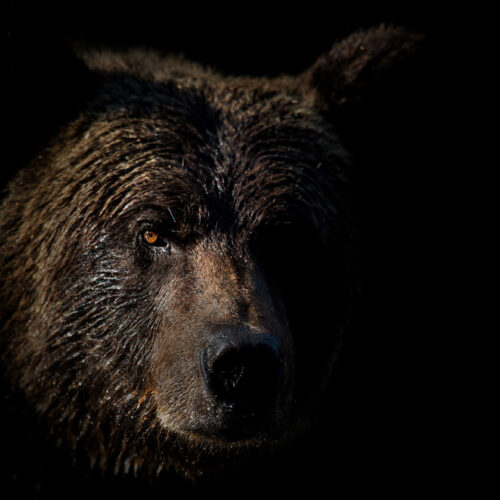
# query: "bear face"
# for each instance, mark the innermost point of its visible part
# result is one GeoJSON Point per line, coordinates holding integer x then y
{"type": "Point", "coordinates": [180, 260]}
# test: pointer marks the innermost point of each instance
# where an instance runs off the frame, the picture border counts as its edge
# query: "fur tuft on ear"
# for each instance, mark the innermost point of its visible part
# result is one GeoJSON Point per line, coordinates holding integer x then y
{"type": "Point", "coordinates": [358, 65]}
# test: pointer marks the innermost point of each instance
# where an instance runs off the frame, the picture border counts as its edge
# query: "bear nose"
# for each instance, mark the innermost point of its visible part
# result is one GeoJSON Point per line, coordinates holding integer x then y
{"type": "Point", "coordinates": [243, 369]}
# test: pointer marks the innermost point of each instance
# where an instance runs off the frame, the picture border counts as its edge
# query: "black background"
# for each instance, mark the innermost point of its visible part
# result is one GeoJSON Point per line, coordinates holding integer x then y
{"type": "Point", "coordinates": [394, 428]}
{"type": "Point", "coordinates": [259, 37]}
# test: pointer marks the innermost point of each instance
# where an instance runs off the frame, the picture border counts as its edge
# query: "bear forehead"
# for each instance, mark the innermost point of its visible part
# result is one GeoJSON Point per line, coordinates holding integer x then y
{"type": "Point", "coordinates": [199, 141]}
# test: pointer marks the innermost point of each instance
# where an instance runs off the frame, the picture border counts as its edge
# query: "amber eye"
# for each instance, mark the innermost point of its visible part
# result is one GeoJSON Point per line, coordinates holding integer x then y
{"type": "Point", "coordinates": [150, 237]}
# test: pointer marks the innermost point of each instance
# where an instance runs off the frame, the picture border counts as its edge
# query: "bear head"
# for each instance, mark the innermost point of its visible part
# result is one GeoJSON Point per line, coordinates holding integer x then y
{"type": "Point", "coordinates": [179, 261]}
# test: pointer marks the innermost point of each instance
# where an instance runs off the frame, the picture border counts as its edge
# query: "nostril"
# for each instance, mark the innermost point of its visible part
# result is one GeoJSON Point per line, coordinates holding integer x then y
{"type": "Point", "coordinates": [243, 369]}
{"type": "Point", "coordinates": [248, 373]}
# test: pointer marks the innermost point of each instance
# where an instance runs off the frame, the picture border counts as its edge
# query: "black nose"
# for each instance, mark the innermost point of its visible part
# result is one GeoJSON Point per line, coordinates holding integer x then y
{"type": "Point", "coordinates": [243, 369]}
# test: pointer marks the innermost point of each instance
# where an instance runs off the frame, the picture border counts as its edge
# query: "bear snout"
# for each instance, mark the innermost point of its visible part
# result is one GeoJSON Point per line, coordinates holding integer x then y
{"type": "Point", "coordinates": [245, 376]}
{"type": "Point", "coordinates": [243, 370]}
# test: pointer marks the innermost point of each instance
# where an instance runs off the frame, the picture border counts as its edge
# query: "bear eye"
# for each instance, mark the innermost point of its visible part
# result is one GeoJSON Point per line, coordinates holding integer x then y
{"type": "Point", "coordinates": [150, 237]}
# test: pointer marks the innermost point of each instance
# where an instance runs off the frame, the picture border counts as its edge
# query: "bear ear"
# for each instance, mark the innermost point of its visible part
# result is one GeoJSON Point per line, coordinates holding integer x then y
{"type": "Point", "coordinates": [361, 66]}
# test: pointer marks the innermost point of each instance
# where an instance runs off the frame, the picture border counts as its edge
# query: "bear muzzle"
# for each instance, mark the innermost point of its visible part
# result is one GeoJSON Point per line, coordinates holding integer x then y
{"type": "Point", "coordinates": [242, 370]}
{"type": "Point", "coordinates": [244, 377]}
{"type": "Point", "coordinates": [240, 386]}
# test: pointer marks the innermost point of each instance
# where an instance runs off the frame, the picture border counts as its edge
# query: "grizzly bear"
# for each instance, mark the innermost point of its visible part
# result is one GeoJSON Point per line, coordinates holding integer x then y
{"type": "Point", "coordinates": [180, 260]}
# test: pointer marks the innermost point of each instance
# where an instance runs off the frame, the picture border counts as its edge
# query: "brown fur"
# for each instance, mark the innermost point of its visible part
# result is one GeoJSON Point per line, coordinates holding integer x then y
{"type": "Point", "coordinates": [250, 183]}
